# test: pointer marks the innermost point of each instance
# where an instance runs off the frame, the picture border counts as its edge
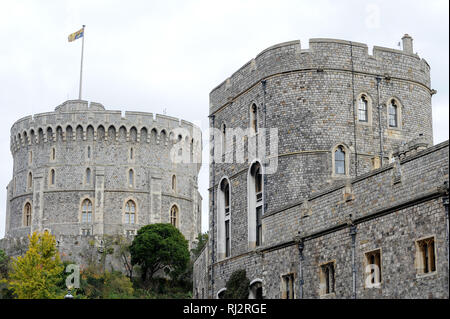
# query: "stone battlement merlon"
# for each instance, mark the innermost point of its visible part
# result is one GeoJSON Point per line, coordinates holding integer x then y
{"type": "Point", "coordinates": [80, 113]}
{"type": "Point", "coordinates": [325, 54]}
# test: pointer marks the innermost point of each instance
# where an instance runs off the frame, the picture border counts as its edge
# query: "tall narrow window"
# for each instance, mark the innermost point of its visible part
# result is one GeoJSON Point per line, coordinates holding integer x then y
{"type": "Point", "coordinates": [257, 198]}
{"type": "Point", "coordinates": [373, 268]}
{"type": "Point", "coordinates": [362, 109]}
{"type": "Point", "coordinates": [88, 152]}
{"type": "Point", "coordinates": [88, 176]}
{"type": "Point", "coordinates": [327, 281]}
{"type": "Point", "coordinates": [425, 256]}
{"type": "Point", "coordinates": [30, 180]}
{"type": "Point", "coordinates": [339, 160]}
{"type": "Point", "coordinates": [130, 212]}
{"type": "Point", "coordinates": [131, 153]}
{"type": "Point", "coordinates": [288, 287]}
{"type": "Point", "coordinates": [224, 140]}
{"type": "Point", "coordinates": [27, 215]}
{"type": "Point", "coordinates": [131, 178]}
{"type": "Point", "coordinates": [174, 183]}
{"type": "Point", "coordinates": [174, 216]}
{"type": "Point", "coordinates": [227, 238]}
{"type": "Point", "coordinates": [52, 177]}
{"type": "Point", "coordinates": [223, 220]}
{"type": "Point", "coordinates": [53, 154]}
{"type": "Point", "coordinates": [393, 114]}
{"type": "Point", "coordinates": [86, 211]}
{"type": "Point", "coordinates": [30, 157]}
{"type": "Point", "coordinates": [254, 118]}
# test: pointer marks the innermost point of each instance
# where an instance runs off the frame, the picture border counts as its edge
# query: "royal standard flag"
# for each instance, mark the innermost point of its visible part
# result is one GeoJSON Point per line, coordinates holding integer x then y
{"type": "Point", "coordinates": [76, 35]}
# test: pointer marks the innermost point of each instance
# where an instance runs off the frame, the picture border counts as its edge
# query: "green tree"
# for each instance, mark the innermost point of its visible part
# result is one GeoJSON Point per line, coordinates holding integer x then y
{"type": "Point", "coordinates": [201, 241]}
{"type": "Point", "coordinates": [160, 246]}
{"type": "Point", "coordinates": [36, 275]}
{"type": "Point", "coordinates": [4, 264]}
{"type": "Point", "coordinates": [237, 285]}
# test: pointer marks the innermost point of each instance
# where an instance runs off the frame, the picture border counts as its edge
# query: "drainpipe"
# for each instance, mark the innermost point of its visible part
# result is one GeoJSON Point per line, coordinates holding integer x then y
{"type": "Point", "coordinates": [263, 83]}
{"type": "Point", "coordinates": [353, 234]}
{"type": "Point", "coordinates": [379, 120]}
{"type": "Point", "coordinates": [301, 245]}
{"type": "Point", "coordinates": [212, 143]}
{"type": "Point", "coordinates": [445, 202]}
{"type": "Point", "coordinates": [353, 105]}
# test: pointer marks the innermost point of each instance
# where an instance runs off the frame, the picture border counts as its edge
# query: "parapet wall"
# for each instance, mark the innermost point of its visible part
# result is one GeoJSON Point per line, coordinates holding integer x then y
{"type": "Point", "coordinates": [322, 55]}
{"type": "Point", "coordinates": [73, 115]}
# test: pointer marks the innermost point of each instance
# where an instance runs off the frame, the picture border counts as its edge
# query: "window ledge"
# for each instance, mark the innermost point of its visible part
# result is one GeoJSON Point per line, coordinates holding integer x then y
{"type": "Point", "coordinates": [376, 286]}
{"type": "Point", "coordinates": [326, 296]}
{"type": "Point", "coordinates": [430, 274]}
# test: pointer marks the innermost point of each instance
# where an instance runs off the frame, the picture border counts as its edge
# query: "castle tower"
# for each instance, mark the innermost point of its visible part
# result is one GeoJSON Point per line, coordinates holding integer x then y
{"type": "Point", "coordinates": [82, 172]}
{"type": "Point", "coordinates": [328, 116]}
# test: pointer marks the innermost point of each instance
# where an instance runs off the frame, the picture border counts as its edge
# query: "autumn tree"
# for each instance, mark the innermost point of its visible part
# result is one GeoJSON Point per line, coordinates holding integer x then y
{"type": "Point", "coordinates": [160, 247]}
{"type": "Point", "coordinates": [36, 274]}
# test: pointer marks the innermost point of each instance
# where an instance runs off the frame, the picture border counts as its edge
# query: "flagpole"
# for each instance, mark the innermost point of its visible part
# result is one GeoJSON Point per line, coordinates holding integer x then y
{"type": "Point", "coordinates": [81, 68]}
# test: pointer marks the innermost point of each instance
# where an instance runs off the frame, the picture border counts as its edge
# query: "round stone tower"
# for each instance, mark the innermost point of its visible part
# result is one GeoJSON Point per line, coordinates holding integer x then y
{"type": "Point", "coordinates": [85, 172]}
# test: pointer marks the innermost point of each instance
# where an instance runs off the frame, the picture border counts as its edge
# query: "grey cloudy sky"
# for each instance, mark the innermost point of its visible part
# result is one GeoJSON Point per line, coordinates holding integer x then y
{"type": "Point", "coordinates": [150, 56]}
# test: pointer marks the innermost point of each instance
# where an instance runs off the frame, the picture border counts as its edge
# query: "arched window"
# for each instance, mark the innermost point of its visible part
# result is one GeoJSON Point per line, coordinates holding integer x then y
{"type": "Point", "coordinates": [30, 180]}
{"type": "Point", "coordinates": [88, 176]}
{"type": "Point", "coordinates": [254, 119]}
{"type": "Point", "coordinates": [393, 114]}
{"type": "Point", "coordinates": [131, 177]}
{"type": "Point", "coordinates": [174, 216]}
{"type": "Point", "coordinates": [255, 290]}
{"type": "Point", "coordinates": [27, 215]}
{"type": "Point", "coordinates": [221, 293]}
{"type": "Point", "coordinates": [130, 212]}
{"type": "Point", "coordinates": [86, 211]}
{"type": "Point", "coordinates": [52, 177]}
{"type": "Point", "coordinates": [362, 109]}
{"type": "Point", "coordinates": [255, 202]}
{"type": "Point", "coordinates": [224, 231]}
{"type": "Point", "coordinates": [339, 160]}
{"type": "Point", "coordinates": [174, 183]}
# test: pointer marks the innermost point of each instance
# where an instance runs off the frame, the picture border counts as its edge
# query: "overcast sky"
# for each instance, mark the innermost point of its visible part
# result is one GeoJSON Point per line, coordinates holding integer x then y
{"type": "Point", "coordinates": [168, 55]}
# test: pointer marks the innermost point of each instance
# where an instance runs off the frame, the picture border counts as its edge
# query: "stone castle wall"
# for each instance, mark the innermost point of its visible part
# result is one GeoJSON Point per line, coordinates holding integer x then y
{"type": "Point", "coordinates": [390, 213]}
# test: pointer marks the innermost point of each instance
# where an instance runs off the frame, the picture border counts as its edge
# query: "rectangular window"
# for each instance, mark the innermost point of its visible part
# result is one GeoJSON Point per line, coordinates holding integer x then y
{"type": "Point", "coordinates": [287, 286]}
{"type": "Point", "coordinates": [86, 232]}
{"type": "Point", "coordinates": [425, 256]}
{"type": "Point", "coordinates": [327, 281]}
{"type": "Point", "coordinates": [373, 268]}
{"type": "Point", "coordinates": [227, 238]}
{"type": "Point", "coordinates": [258, 225]}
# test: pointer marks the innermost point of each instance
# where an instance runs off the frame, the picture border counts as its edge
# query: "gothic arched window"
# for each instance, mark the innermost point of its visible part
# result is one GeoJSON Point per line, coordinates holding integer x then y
{"type": "Point", "coordinates": [393, 114]}
{"type": "Point", "coordinates": [362, 109]}
{"type": "Point", "coordinates": [174, 216]}
{"type": "Point", "coordinates": [27, 215]}
{"type": "Point", "coordinates": [86, 211]}
{"type": "Point", "coordinates": [339, 160]}
{"type": "Point", "coordinates": [130, 212]}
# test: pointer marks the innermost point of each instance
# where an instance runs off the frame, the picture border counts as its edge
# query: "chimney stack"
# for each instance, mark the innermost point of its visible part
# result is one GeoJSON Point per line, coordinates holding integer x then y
{"type": "Point", "coordinates": [407, 44]}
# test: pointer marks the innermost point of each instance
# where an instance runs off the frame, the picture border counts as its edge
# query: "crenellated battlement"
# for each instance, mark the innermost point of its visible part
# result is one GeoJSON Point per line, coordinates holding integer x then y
{"type": "Point", "coordinates": [76, 117]}
{"type": "Point", "coordinates": [324, 55]}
